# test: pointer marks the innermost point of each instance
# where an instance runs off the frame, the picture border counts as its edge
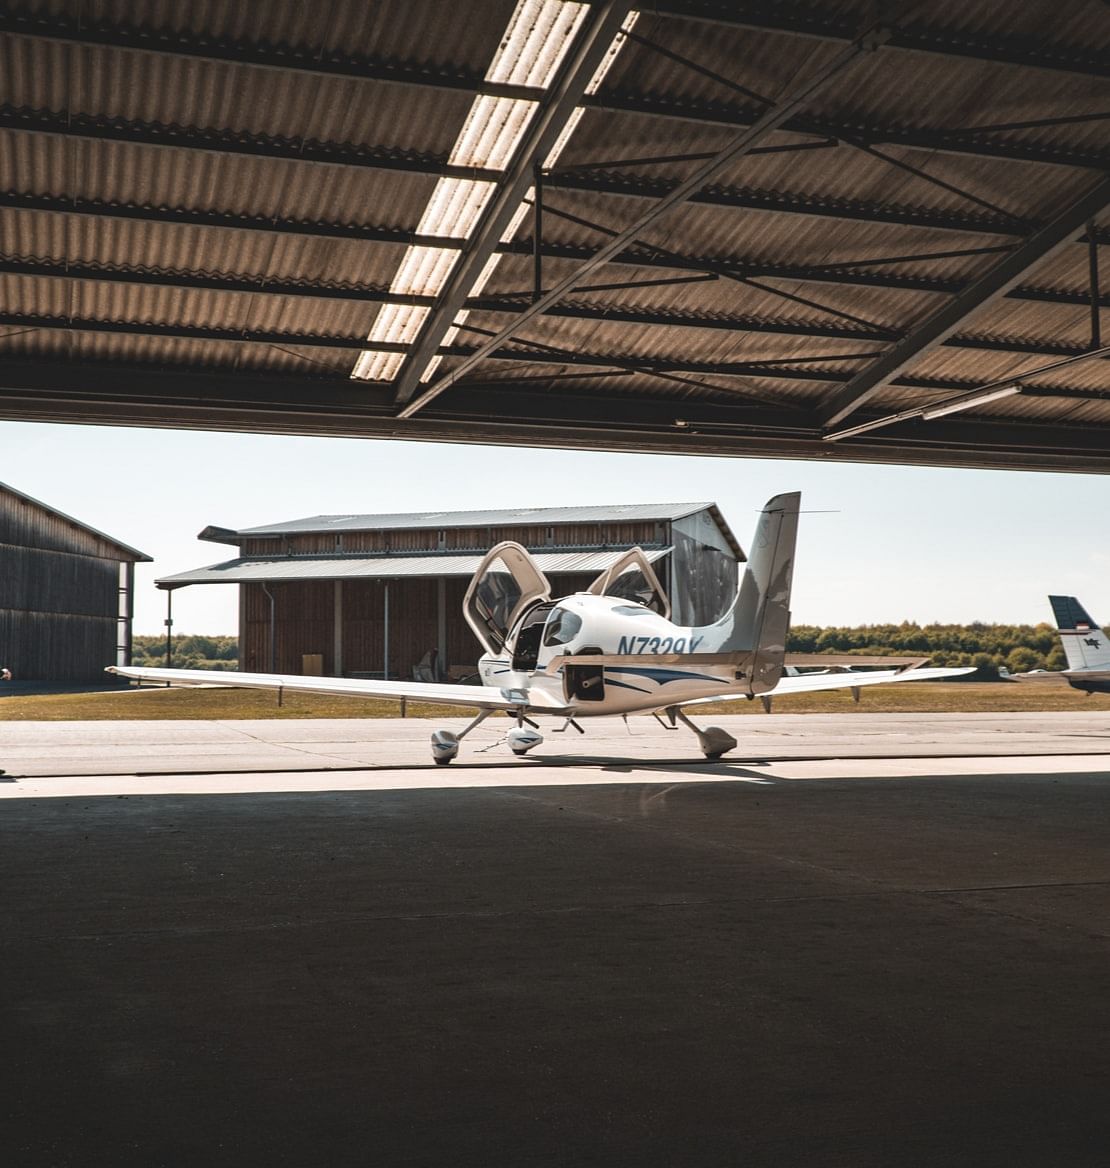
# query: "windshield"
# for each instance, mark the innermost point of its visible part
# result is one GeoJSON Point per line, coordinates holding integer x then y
{"type": "Point", "coordinates": [633, 584]}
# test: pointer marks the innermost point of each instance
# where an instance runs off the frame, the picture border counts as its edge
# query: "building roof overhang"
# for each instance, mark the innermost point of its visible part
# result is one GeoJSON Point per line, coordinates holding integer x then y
{"type": "Point", "coordinates": [414, 567]}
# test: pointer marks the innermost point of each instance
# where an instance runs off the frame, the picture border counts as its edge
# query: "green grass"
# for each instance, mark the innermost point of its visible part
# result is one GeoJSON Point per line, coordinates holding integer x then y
{"type": "Point", "coordinates": [917, 697]}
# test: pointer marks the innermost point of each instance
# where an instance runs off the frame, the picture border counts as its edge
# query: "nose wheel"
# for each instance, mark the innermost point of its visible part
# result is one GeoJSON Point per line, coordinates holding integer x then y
{"type": "Point", "coordinates": [445, 743]}
{"type": "Point", "coordinates": [521, 738]}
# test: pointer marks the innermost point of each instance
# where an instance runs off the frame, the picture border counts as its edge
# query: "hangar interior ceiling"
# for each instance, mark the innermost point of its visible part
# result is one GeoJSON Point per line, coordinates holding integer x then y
{"type": "Point", "coordinates": [822, 229]}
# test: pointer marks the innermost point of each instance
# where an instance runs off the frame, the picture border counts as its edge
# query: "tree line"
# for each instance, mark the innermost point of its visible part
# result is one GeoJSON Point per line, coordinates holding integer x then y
{"type": "Point", "coordinates": [189, 652]}
{"type": "Point", "coordinates": [1017, 648]}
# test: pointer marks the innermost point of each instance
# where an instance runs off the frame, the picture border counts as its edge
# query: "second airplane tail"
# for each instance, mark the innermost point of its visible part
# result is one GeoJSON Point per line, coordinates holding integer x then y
{"type": "Point", "coordinates": [1085, 644]}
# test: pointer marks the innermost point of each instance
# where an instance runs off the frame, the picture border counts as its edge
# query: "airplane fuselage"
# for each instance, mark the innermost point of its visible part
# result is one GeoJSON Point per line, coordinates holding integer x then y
{"type": "Point", "coordinates": [674, 666]}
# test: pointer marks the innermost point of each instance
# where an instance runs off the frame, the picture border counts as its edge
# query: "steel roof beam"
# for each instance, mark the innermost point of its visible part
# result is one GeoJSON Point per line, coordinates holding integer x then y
{"type": "Point", "coordinates": [526, 352]}
{"type": "Point", "coordinates": [660, 318]}
{"type": "Point", "coordinates": [943, 324]}
{"type": "Point", "coordinates": [806, 21]}
{"type": "Point", "coordinates": [233, 221]}
{"type": "Point", "coordinates": [748, 14]}
{"type": "Point", "coordinates": [779, 202]}
{"type": "Point", "coordinates": [205, 399]}
{"type": "Point", "coordinates": [311, 60]}
{"type": "Point", "coordinates": [786, 203]}
{"type": "Point", "coordinates": [223, 141]}
{"type": "Point", "coordinates": [776, 115]}
{"type": "Point", "coordinates": [986, 144]}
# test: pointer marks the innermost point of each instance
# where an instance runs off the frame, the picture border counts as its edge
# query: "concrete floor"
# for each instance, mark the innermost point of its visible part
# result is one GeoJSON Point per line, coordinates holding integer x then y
{"type": "Point", "coordinates": [872, 940]}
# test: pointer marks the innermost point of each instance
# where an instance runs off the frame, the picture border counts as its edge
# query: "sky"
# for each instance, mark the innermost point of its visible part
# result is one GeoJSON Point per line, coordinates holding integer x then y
{"type": "Point", "coordinates": [876, 544]}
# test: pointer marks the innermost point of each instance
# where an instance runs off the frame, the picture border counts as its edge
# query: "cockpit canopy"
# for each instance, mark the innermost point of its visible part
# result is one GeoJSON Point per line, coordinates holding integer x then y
{"type": "Point", "coordinates": [508, 583]}
{"type": "Point", "coordinates": [632, 578]}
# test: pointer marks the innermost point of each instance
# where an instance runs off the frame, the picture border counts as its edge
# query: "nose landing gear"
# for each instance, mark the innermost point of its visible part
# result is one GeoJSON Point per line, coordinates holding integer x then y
{"type": "Point", "coordinates": [445, 743]}
{"type": "Point", "coordinates": [521, 738]}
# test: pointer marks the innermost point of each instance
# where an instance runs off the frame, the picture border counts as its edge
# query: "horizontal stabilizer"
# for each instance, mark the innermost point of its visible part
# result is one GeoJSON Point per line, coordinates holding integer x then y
{"type": "Point", "coordinates": [823, 681]}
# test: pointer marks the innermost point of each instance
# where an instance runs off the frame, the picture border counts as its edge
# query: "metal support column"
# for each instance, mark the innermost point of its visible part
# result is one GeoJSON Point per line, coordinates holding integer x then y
{"type": "Point", "coordinates": [169, 628]}
{"type": "Point", "coordinates": [337, 630]}
{"type": "Point", "coordinates": [441, 625]}
{"type": "Point", "coordinates": [385, 635]}
{"type": "Point", "coordinates": [1092, 261]}
{"type": "Point", "coordinates": [537, 232]}
{"type": "Point", "coordinates": [273, 629]}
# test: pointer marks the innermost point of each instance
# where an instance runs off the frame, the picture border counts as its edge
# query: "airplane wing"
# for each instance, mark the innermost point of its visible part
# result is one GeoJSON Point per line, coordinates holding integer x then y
{"type": "Point", "coordinates": [480, 697]}
{"type": "Point", "coordinates": [1063, 675]}
{"type": "Point", "coordinates": [820, 681]}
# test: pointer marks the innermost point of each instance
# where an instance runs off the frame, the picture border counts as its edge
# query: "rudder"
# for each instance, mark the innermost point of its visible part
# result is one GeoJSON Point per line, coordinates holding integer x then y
{"type": "Point", "coordinates": [760, 618]}
{"type": "Point", "coordinates": [1085, 644]}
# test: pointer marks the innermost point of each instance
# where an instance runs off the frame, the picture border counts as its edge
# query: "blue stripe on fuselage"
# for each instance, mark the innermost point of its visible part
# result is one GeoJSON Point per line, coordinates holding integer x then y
{"type": "Point", "coordinates": [663, 676]}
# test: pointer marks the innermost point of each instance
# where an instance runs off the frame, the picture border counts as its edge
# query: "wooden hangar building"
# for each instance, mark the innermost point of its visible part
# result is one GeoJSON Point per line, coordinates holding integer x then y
{"type": "Point", "coordinates": [66, 594]}
{"type": "Point", "coordinates": [373, 595]}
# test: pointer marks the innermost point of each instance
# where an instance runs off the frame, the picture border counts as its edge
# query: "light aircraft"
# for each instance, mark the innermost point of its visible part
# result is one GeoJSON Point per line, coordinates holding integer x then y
{"type": "Point", "coordinates": [611, 650]}
{"type": "Point", "coordinates": [1086, 647]}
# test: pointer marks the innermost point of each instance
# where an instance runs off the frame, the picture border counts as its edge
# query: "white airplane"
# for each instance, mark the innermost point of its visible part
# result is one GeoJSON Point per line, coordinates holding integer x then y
{"type": "Point", "coordinates": [1086, 647]}
{"type": "Point", "coordinates": [608, 651]}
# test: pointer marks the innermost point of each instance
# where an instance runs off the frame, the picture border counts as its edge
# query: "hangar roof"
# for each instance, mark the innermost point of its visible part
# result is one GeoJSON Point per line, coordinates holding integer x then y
{"type": "Point", "coordinates": [128, 553]}
{"type": "Point", "coordinates": [734, 226]}
{"type": "Point", "coordinates": [616, 513]}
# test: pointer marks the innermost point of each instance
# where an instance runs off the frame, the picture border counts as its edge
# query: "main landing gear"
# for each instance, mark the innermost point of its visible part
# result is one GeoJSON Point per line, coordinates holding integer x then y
{"type": "Point", "coordinates": [521, 738]}
{"type": "Point", "coordinates": [714, 741]}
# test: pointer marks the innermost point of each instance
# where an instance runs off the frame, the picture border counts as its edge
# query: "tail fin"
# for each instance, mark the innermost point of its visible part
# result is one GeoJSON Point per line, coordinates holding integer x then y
{"type": "Point", "coordinates": [1085, 644]}
{"type": "Point", "coordinates": [760, 618]}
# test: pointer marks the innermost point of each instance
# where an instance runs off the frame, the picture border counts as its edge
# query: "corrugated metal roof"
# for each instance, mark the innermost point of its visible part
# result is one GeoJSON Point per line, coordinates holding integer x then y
{"type": "Point", "coordinates": [611, 513]}
{"type": "Point", "coordinates": [294, 147]}
{"type": "Point", "coordinates": [247, 571]}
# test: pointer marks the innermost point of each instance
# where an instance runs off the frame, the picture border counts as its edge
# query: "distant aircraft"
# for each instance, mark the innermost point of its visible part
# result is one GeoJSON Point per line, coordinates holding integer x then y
{"type": "Point", "coordinates": [1086, 647]}
{"type": "Point", "coordinates": [608, 651]}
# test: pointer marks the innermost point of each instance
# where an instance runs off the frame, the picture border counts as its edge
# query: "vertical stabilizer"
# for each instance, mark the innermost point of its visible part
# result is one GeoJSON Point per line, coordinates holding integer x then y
{"type": "Point", "coordinates": [1085, 644]}
{"type": "Point", "coordinates": [760, 618]}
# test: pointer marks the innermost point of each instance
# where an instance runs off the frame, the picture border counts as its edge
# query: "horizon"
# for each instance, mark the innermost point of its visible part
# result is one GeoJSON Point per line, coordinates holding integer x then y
{"type": "Point", "coordinates": [878, 544]}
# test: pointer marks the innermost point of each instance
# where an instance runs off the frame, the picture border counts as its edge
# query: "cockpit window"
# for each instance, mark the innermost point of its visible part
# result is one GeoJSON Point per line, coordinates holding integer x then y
{"type": "Point", "coordinates": [562, 627]}
{"type": "Point", "coordinates": [633, 584]}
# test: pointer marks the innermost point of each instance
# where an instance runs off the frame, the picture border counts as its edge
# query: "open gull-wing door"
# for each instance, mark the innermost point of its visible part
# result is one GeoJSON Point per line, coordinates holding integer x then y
{"type": "Point", "coordinates": [632, 578]}
{"type": "Point", "coordinates": [506, 583]}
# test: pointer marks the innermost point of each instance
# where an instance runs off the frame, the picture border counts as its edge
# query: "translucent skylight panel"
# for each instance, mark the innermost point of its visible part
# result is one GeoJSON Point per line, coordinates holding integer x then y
{"type": "Point", "coordinates": [627, 25]}
{"type": "Point", "coordinates": [564, 137]}
{"type": "Point", "coordinates": [539, 34]}
{"type": "Point", "coordinates": [455, 207]}
{"type": "Point", "coordinates": [484, 275]}
{"type": "Point", "coordinates": [493, 130]}
{"type": "Point", "coordinates": [398, 323]}
{"type": "Point", "coordinates": [518, 216]}
{"type": "Point", "coordinates": [424, 271]}
{"type": "Point", "coordinates": [377, 366]}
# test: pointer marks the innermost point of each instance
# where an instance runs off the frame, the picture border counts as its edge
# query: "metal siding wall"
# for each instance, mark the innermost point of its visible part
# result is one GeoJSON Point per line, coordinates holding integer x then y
{"type": "Point", "coordinates": [58, 614]}
{"type": "Point", "coordinates": [305, 623]}
{"type": "Point", "coordinates": [56, 646]}
{"type": "Point", "coordinates": [413, 625]}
